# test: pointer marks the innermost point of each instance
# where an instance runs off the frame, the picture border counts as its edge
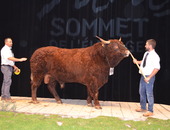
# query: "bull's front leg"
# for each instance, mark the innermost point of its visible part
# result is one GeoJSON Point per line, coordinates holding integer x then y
{"type": "Point", "coordinates": [96, 101]}
{"type": "Point", "coordinates": [93, 93]}
{"type": "Point", "coordinates": [51, 87]}
{"type": "Point", "coordinates": [89, 99]}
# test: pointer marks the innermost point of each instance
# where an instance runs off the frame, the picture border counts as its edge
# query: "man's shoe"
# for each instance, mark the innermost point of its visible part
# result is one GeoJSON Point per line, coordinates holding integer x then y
{"type": "Point", "coordinates": [148, 113]}
{"type": "Point", "coordinates": [3, 99]}
{"type": "Point", "coordinates": [10, 100]}
{"type": "Point", "coordinates": [140, 110]}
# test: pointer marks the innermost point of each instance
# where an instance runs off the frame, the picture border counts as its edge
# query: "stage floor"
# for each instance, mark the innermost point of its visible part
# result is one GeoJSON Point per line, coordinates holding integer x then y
{"type": "Point", "coordinates": [79, 109]}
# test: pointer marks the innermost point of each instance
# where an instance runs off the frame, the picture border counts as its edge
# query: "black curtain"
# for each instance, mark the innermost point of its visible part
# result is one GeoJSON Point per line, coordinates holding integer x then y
{"type": "Point", "coordinates": [74, 24]}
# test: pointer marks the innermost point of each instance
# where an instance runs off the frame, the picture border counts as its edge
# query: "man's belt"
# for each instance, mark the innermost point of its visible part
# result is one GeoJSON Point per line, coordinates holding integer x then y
{"type": "Point", "coordinates": [6, 65]}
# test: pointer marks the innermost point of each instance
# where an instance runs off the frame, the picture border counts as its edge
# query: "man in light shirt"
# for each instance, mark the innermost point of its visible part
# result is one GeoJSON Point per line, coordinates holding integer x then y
{"type": "Point", "coordinates": [150, 65]}
{"type": "Point", "coordinates": [7, 66]}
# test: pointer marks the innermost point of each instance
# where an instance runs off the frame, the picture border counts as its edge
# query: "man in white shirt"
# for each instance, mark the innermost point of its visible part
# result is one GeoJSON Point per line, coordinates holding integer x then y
{"type": "Point", "coordinates": [7, 66]}
{"type": "Point", "coordinates": [150, 65]}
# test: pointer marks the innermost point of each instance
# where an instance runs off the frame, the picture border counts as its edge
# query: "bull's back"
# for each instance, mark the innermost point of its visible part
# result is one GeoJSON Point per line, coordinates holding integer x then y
{"type": "Point", "coordinates": [68, 63]}
{"type": "Point", "coordinates": [37, 61]}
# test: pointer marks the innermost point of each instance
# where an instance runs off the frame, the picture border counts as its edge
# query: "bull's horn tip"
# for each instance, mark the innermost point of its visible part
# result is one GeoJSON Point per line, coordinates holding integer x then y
{"type": "Point", "coordinates": [102, 40]}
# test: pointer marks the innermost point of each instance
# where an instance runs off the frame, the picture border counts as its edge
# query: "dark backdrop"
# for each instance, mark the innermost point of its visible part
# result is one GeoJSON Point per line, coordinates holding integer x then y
{"type": "Point", "coordinates": [74, 24]}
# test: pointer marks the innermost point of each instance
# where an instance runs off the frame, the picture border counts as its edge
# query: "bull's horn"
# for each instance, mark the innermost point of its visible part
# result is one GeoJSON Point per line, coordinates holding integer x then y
{"type": "Point", "coordinates": [104, 41]}
{"type": "Point", "coordinates": [120, 39]}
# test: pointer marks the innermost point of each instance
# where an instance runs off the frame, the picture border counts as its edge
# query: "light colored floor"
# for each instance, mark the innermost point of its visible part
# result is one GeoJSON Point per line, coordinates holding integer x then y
{"type": "Point", "coordinates": [79, 109]}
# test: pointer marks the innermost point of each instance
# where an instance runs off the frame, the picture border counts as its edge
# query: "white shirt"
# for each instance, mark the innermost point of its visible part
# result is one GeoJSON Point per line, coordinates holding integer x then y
{"type": "Point", "coordinates": [6, 52]}
{"type": "Point", "coordinates": [152, 62]}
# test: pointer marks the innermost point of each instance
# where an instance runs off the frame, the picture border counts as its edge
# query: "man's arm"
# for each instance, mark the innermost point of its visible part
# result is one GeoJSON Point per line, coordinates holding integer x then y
{"type": "Point", "coordinates": [17, 59]}
{"type": "Point", "coordinates": [154, 72]}
{"type": "Point", "coordinates": [137, 61]}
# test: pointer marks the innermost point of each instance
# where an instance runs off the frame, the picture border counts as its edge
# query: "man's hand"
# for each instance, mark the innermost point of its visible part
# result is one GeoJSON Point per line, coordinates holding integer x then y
{"type": "Point", "coordinates": [15, 68]}
{"type": "Point", "coordinates": [135, 61]}
{"type": "Point", "coordinates": [22, 59]}
{"type": "Point", "coordinates": [147, 79]}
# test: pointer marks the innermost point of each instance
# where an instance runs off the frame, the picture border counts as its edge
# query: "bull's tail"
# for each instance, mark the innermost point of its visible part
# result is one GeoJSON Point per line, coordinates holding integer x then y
{"type": "Point", "coordinates": [62, 85]}
{"type": "Point", "coordinates": [31, 77]}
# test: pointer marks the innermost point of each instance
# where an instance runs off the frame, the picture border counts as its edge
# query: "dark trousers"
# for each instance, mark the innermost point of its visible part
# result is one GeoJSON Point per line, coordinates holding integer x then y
{"type": "Point", "coordinates": [7, 75]}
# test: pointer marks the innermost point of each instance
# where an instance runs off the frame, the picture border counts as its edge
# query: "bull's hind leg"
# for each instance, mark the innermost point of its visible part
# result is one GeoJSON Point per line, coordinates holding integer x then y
{"type": "Point", "coordinates": [51, 87]}
{"type": "Point", "coordinates": [35, 83]}
{"type": "Point", "coordinates": [34, 93]}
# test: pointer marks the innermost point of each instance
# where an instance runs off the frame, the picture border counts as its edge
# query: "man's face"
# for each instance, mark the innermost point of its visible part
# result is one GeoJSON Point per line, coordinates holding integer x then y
{"type": "Point", "coordinates": [147, 46]}
{"type": "Point", "coordinates": [8, 42]}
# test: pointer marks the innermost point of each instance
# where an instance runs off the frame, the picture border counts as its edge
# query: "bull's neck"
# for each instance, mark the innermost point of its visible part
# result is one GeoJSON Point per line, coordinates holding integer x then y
{"type": "Point", "coordinates": [101, 52]}
{"type": "Point", "coordinates": [107, 60]}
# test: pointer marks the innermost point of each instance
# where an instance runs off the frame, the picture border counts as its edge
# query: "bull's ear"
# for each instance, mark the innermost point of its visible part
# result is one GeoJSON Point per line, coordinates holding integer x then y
{"type": "Point", "coordinates": [120, 39]}
{"type": "Point", "coordinates": [103, 41]}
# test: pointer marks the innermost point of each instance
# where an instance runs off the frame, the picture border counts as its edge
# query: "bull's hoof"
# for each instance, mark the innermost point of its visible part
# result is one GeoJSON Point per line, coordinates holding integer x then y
{"type": "Point", "coordinates": [98, 107]}
{"type": "Point", "coordinates": [59, 102]}
{"type": "Point", "coordinates": [90, 105]}
{"type": "Point", "coordinates": [34, 102]}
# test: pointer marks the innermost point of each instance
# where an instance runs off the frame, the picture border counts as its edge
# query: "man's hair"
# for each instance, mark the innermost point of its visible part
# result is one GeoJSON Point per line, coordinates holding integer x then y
{"type": "Point", "coordinates": [151, 42]}
{"type": "Point", "coordinates": [7, 39]}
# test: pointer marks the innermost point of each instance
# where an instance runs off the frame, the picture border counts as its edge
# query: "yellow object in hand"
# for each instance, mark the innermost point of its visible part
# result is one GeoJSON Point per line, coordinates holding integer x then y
{"type": "Point", "coordinates": [17, 72]}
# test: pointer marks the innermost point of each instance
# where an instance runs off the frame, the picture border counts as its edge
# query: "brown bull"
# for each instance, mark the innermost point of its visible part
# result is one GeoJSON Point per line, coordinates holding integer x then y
{"type": "Point", "coordinates": [88, 66]}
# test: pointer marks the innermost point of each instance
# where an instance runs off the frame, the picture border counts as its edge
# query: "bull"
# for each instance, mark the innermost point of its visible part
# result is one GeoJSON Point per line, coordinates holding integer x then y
{"type": "Point", "coordinates": [88, 66]}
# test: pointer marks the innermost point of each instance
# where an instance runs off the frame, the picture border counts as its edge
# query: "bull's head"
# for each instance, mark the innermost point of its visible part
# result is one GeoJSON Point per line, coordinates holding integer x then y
{"type": "Point", "coordinates": [115, 49]}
